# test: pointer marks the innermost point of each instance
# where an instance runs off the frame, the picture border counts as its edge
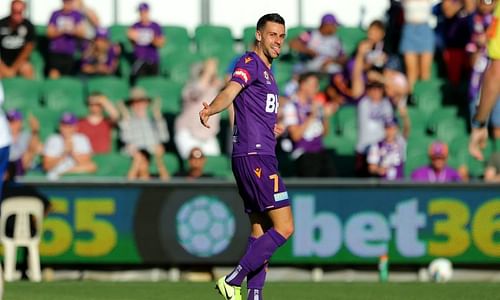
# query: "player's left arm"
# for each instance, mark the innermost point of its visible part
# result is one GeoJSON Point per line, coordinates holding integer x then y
{"type": "Point", "coordinates": [221, 102]}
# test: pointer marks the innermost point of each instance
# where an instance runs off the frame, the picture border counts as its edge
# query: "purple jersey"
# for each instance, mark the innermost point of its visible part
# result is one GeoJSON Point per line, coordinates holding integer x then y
{"type": "Point", "coordinates": [256, 107]}
{"type": "Point", "coordinates": [144, 48]}
{"type": "Point", "coordinates": [428, 174]}
{"type": "Point", "coordinates": [296, 113]}
{"type": "Point", "coordinates": [65, 22]}
{"type": "Point", "coordinates": [390, 156]}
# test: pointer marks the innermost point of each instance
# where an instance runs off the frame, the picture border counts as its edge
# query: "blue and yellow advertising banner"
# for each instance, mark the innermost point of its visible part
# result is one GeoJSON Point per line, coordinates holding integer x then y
{"type": "Point", "coordinates": [205, 224]}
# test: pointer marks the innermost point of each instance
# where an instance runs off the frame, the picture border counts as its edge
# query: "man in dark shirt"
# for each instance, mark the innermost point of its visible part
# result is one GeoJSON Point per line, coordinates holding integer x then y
{"type": "Point", "coordinates": [17, 40]}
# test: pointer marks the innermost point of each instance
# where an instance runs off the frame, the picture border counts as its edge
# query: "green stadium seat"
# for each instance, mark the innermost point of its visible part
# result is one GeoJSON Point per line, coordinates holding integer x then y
{"type": "Point", "coordinates": [124, 68]}
{"type": "Point", "coordinates": [170, 160]}
{"type": "Point", "coordinates": [343, 115]}
{"type": "Point", "coordinates": [112, 165]}
{"type": "Point", "coordinates": [212, 40]}
{"type": "Point", "coordinates": [418, 120]}
{"type": "Point", "coordinates": [219, 166]}
{"type": "Point", "coordinates": [169, 91]}
{"type": "Point", "coordinates": [38, 63]}
{"type": "Point", "coordinates": [350, 38]}
{"type": "Point", "coordinates": [293, 32]}
{"type": "Point", "coordinates": [342, 145]}
{"type": "Point", "coordinates": [476, 167]}
{"type": "Point", "coordinates": [414, 160]}
{"type": "Point", "coordinates": [440, 114]}
{"type": "Point", "coordinates": [419, 142]}
{"type": "Point", "coordinates": [118, 34]}
{"type": "Point", "coordinates": [21, 93]}
{"type": "Point", "coordinates": [248, 37]}
{"type": "Point", "coordinates": [116, 89]}
{"type": "Point", "coordinates": [49, 121]}
{"type": "Point", "coordinates": [428, 95]}
{"type": "Point", "coordinates": [177, 39]}
{"type": "Point", "coordinates": [177, 65]}
{"type": "Point", "coordinates": [64, 94]}
{"type": "Point", "coordinates": [449, 129]}
{"type": "Point", "coordinates": [283, 72]}
{"type": "Point", "coordinates": [41, 30]}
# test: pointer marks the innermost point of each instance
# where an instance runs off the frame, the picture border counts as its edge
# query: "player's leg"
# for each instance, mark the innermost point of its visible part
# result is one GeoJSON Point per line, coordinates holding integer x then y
{"type": "Point", "coordinates": [260, 223]}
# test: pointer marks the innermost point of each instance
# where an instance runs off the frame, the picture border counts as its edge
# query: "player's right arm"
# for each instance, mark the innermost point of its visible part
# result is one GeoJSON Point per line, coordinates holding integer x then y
{"type": "Point", "coordinates": [221, 102]}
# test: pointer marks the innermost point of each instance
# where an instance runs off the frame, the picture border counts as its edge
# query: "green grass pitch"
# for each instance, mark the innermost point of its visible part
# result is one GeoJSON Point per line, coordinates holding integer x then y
{"type": "Point", "coordinates": [89, 290]}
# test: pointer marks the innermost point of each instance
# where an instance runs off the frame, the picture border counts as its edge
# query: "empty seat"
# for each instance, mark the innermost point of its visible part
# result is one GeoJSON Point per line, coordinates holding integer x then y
{"type": "Point", "coordinates": [218, 165]}
{"type": "Point", "coordinates": [116, 89]}
{"type": "Point", "coordinates": [177, 38]}
{"type": "Point", "coordinates": [350, 38]}
{"type": "Point", "coordinates": [64, 94]}
{"type": "Point", "coordinates": [21, 93]}
{"type": "Point", "coordinates": [167, 90]}
{"type": "Point", "coordinates": [211, 40]}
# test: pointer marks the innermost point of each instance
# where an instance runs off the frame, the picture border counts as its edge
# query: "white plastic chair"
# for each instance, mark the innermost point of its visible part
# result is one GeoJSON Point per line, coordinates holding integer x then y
{"type": "Point", "coordinates": [22, 208]}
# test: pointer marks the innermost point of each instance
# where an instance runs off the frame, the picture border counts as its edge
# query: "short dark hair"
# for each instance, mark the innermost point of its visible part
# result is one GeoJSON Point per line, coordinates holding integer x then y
{"type": "Point", "coordinates": [275, 18]}
{"type": "Point", "coordinates": [377, 24]}
{"type": "Point", "coordinates": [304, 76]}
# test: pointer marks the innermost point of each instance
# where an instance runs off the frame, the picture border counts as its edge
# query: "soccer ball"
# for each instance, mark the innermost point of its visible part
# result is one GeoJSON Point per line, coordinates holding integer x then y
{"type": "Point", "coordinates": [205, 226]}
{"type": "Point", "coordinates": [441, 270]}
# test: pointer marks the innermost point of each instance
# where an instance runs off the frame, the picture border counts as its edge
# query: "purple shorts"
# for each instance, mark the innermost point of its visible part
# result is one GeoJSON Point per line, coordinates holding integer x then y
{"type": "Point", "coordinates": [259, 183]}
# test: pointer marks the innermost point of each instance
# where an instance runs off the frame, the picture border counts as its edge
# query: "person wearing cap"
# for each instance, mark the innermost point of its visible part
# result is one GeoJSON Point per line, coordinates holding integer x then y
{"type": "Point", "coordinates": [147, 37]}
{"type": "Point", "coordinates": [386, 158]}
{"type": "Point", "coordinates": [373, 109]}
{"type": "Point", "coordinates": [17, 41]}
{"type": "Point", "coordinates": [321, 49]}
{"type": "Point", "coordinates": [64, 31]}
{"type": "Point", "coordinates": [196, 163]}
{"type": "Point", "coordinates": [101, 57]}
{"type": "Point", "coordinates": [307, 123]}
{"type": "Point", "coordinates": [67, 151]}
{"type": "Point", "coordinates": [142, 136]}
{"type": "Point", "coordinates": [26, 144]}
{"type": "Point", "coordinates": [437, 170]}
{"type": "Point", "coordinates": [99, 123]}
{"type": "Point", "coordinates": [203, 86]}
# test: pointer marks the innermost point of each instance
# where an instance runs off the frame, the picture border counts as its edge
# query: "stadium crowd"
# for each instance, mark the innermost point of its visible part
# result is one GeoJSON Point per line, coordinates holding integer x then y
{"type": "Point", "coordinates": [392, 101]}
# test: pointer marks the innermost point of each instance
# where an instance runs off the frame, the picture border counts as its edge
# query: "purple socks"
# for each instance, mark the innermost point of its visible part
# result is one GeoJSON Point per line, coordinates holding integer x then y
{"type": "Point", "coordinates": [257, 255]}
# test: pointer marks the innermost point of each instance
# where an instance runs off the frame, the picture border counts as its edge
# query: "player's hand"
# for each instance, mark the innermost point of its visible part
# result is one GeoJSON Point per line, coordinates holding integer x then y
{"type": "Point", "coordinates": [205, 115]}
{"type": "Point", "coordinates": [278, 130]}
{"type": "Point", "coordinates": [477, 142]}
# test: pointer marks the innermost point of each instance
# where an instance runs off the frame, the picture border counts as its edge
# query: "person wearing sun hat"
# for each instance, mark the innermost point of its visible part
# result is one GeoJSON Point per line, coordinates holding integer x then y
{"type": "Point", "coordinates": [437, 170]}
{"type": "Point", "coordinates": [143, 136]}
{"type": "Point", "coordinates": [321, 49]}
{"type": "Point", "coordinates": [26, 144]}
{"type": "Point", "coordinates": [67, 151]}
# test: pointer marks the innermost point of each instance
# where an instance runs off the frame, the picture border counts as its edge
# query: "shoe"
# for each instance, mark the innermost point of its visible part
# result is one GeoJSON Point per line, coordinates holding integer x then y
{"type": "Point", "coordinates": [229, 292]}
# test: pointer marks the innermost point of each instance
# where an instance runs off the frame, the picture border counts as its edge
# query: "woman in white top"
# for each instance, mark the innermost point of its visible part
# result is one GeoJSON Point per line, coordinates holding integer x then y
{"type": "Point", "coordinates": [417, 40]}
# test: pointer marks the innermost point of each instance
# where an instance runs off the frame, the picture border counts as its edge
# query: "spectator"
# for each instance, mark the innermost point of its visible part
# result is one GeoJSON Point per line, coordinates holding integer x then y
{"type": "Point", "coordinates": [482, 19]}
{"type": "Point", "coordinates": [196, 164]}
{"type": "Point", "coordinates": [96, 126]}
{"type": "Point", "coordinates": [64, 31]}
{"type": "Point", "coordinates": [26, 144]}
{"type": "Point", "coordinates": [438, 170]}
{"type": "Point", "coordinates": [395, 20]}
{"type": "Point", "coordinates": [101, 57]}
{"type": "Point", "coordinates": [91, 21]}
{"type": "Point", "coordinates": [492, 171]}
{"type": "Point", "coordinates": [203, 86]}
{"type": "Point", "coordinates": [142, 136]}
{"type": "Point", "coordinates": [417, 40]}
{"type": "Point", "coordinates": [386, 158]}
{"type": "Point", "coordinates": [17, 41]}
{"type": "Point", "coordinates": [68, 151]}
{"type": "Point", "coordinates": [453, 32]}
{"type": "Point", "coordinates": [147, 37]}
{"type": "Point", "coordinates": [321, 49]}
{"type": "Point", "coordinates": [307, 123]}
{"type": "Point", "coordinates": [373, 109]}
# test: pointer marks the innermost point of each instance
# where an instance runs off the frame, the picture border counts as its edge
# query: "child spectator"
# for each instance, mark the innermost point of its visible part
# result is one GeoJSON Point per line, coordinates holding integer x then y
{"type": "Point", "coordinates": [101, 57]}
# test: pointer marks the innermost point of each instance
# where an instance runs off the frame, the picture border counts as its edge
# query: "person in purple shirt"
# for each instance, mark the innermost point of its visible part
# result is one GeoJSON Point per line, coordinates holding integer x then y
{"type": "Point", "coordinates": [64, 31]}
{"type": "Point", "coordinates": [100, 56]}
{"type": "Point", "coordinates": [254, 93]}
{"type": "Point", "coordinates": [307, 122]}
{"type": "Point", "coordinates": [147, 37]}
{"type": "Point", "coordinates": [437, 170]}
{"type": "Point", "coordinates": [386, 158]}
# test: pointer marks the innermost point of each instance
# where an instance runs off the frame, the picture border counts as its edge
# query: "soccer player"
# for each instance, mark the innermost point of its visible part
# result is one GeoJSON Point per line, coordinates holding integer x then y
{"type": "Point", "coordinates": [490, 89]}
{"type": "Point", "coordinates": [254, 93]}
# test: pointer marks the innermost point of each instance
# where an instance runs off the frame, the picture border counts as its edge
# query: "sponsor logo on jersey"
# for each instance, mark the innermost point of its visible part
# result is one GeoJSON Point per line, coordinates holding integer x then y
{"type": "Point", "coordinates": [258, 172]}
{"type": "Point", "coordinates": [248, 59]}
{"type": "Point", "coordinates": [281, 196]}
{"type": "Point", "coordinates": [242, 74]}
